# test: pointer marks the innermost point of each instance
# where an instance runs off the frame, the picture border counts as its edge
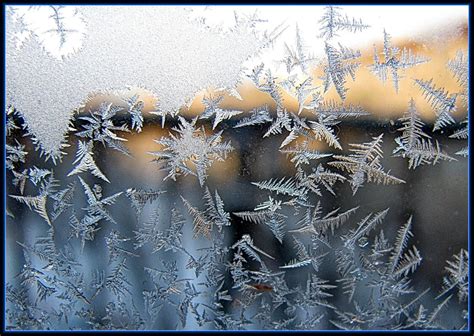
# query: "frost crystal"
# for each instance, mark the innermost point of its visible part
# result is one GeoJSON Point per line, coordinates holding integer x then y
{"type": "Point", "coordinates": [38, 81]}
{"type": "Point", "coordinates": [440, 100]}
{"type": "Point", "coordinates": [333, 21]}
{"type": "Point", "coordinates": [364, 164]}
{"type": "Point", "coordinates": [463, 133]}
{"type": "Point", "coordinates": [297, 57]}
{"type": "Point", "coordinates": [85, 161]}
{"type": "Point", "coordinates": [190, 146]}
{"type": "Point", "coordinates": [339, 65]}
{"type": "Point", "coordinates": [257, 116]}
{"type": "Point", "coordinates": [459, 68]}
{"type": "Point", "coordinates": [393, 62]}
{"type": "Point", "coordinates": [416, 145]}
{"type": "Point", "coordinates": [212, 108]}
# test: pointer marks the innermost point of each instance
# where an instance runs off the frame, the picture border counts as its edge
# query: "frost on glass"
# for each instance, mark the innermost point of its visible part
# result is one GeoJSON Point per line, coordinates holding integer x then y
{"type": "Point", "coordinates": [145, 52]}
{"type": "Point", "coordinates": [235, 168]}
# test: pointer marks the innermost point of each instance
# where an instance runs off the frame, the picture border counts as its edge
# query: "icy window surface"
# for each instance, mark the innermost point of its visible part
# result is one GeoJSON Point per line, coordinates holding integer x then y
{"type": "Point", "coordinates": [237, 168]}
{"type": "Point", "coordinates": [147, 47]}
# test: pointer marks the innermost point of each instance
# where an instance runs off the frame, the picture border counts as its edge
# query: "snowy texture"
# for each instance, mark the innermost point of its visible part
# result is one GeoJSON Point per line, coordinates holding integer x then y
{"type": "Point", "coordinates": [159, 49]}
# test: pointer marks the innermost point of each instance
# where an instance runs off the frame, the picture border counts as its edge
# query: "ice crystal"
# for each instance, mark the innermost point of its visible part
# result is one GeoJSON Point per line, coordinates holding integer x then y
{"type": "Point", "coordinates": [211, 108]}
{"type": "Point", "coordinates": [139, 198]}
{"type": "Point", "coordinates": [105, 52]}
{"type": "Point", "coordinates": [100, 127]}
{"type": "Point", "coordinates": [190, 145]}
{"type": "Point", "coordinates": [457, 277]}
{"type": "Point", "coordinates": [246, 245]}
{"type": "Point", "coordinates": [38, 203]}
{"type": "Point", "coordinates": [135, 108]}
{"type": "Point", "coordinates": [267, 212]}
{"type": "Point", "coordinates": [257, 116]}
{"type": "Point", "coordinates": [301, 91]}
{"type": "Point", "coordinates": [14, 154]}
{"type": "Point", "coordinates": [394, 61]}
{"type": "Point", "coordinates": [333, 21]}
{"type": "Point", "coordinates": [96, 204]}
{"type": "Point", "coordinates": [297, 57]}
{"type": "Point", "coordinates": [341, 111]}
{"type": "Point", "coordinates": [364, 164]}
{"type": "Point", "coordinates": [169, 239]}
{"type": "Point", "coordinates": [415, 144]}
{"type": "Point", "coordinates": [301, 154]}
{"type": "Point", "coordinates": [440, 100]}
{"type": "Point", "coordinates": [463, 133]}
{"type": "Point", "coordinates": [339, 65]}
{"type": "Point", "coordinates": [313, 222]}
{"type": "Point", "coordinates": [85, 161]}
{"type": "Point", "coordinates": [459, 68]}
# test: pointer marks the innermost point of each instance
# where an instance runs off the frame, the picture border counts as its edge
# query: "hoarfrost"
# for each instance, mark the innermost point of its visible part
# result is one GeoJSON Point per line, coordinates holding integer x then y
{"type": "Point", "coordinates": [159, 49]}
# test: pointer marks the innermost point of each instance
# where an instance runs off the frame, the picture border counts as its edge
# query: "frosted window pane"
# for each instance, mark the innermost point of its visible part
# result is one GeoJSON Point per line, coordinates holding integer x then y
{"type": "Point", "coordinates": [237, 167]}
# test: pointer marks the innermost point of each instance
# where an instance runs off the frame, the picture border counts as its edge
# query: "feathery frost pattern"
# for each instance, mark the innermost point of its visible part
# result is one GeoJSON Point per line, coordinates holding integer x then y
{"type": "Point", "coordinates": [459, 69]}
{"type": "Point", "coordinates": [415, 144]}
{"type": "Point", "coordinates": [394, 61]}
{"type": "Point", "coordinates": [297, 57]}
{"type": "Point", "coordinates": [442, 103]}
{"type": "Point", "coordinates": [100, 127]}
{"type": "Point", "coordinates": [333, 21]}
{"type": "Point", "coordinates": [364, 165]}
{"type": "Point", "coordinates": [282, 244]}
{"type": "Point", "coordinates": [191, 145]}
{"type": "Point", "coordinates": [340, 64]}
{"type": "Point", "coordinates": [463, 133]}
{"type": "Point", "coordinates": [85, 161]}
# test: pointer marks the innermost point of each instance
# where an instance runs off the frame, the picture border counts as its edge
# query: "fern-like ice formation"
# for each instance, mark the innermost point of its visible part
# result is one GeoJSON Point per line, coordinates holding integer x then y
{"type": "Point", "coordinates": [38, 203]}
{"type": "Point", "coordinates": [268, 212]}
{"type": "Point", "coordinates": [339, 110]}
{"type": "Point", "coordinates": [416, 145]}
{"type": "Point", "coordinates": [47, 189]}
{"type": "Point", "coordinates": [394, 61]}
{"type": "Point", "coordinates": [313, 222]}
{"type": "Point", "coordinates": [96, 203]}
{"type": "Point", "coordinates": [257, 116]}
{"type": "Point", "coordinates": [246, 245]}
{"type": "Point", "coordinates": [301, 154]}
{"type": "Point", "coordinates": [100, 127]}
{"type": "Point", "coordinates": [135, 108]}
{"type": "Point", "coordinates": [462, 133]}
{"type": "Point", "coordinates": [300, 186]}
{"type": "Point", "coordinates": [364, 165]}
{"type": "Point", "coordinates": [340, 64]}
{"type": "Point", "coordinates": [214, 214]}
{"type": "Point", "coordinates": [36, 79]}
{"type": "Point", "coordinates": [297, 57]}
{"type": "Point", "coordinates": [440, 100]}
{"type": "Point", "coordinates": [85, 161]}
{"type": "Point", "coordinates": [459, 69]}
{"type": "Point", "coordinates": [457, 277]}
{"type": "Point", "coordinates": [139, 198]}
{"type": "Point", "coordinates": [299, 90]}
{"type": "Point", "coordinates": [169, 239]}
{"type": "Point", "coordinates": [265, 81]}
{"type": "Point", "coordinates": [333, 21]}
{"type": "Point", "coordinates": [211, 108]}
{"type": "Point", "coordinates": [190, 145]}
